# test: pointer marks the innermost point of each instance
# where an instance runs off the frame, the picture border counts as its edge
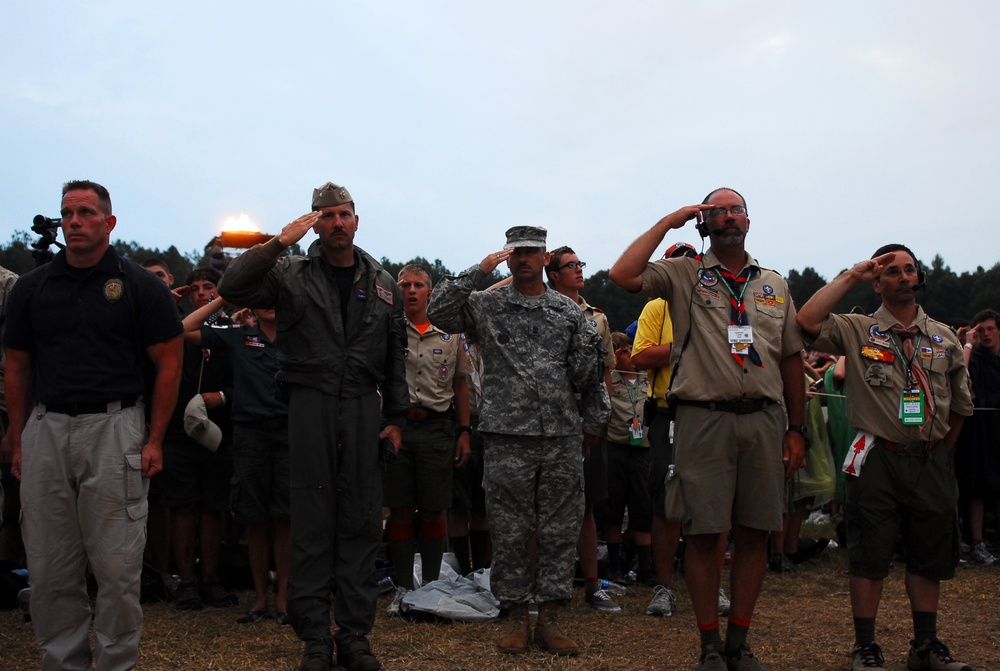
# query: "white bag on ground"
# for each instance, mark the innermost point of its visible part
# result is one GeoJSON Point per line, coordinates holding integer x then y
{"type": "Point", "coordinates": [462, 598]}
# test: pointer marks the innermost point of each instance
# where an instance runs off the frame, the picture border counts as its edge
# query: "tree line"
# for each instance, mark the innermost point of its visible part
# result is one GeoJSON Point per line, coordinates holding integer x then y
{"type": "Point", "coordinates": [946, 296]}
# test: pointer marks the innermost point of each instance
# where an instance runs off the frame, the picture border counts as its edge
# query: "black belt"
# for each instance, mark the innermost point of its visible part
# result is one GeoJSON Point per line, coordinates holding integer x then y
{"type": "Point", "coordinates": [744, 406]}
{"type": "Point", "coordinates": [74, 409]}
{"type": "Point", "coordinates": [270, 424]}
{"type": "Point", "coordinates": [421, 414]}
{"type": "Point", "coordinates": [914, 448]}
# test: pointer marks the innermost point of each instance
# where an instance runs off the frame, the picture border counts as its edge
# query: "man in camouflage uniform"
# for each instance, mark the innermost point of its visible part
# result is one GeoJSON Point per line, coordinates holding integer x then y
{"type": "Point", "coordinates": [538, 350]}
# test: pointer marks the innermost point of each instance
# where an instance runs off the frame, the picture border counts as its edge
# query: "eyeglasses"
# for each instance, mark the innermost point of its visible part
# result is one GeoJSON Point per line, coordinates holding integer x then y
{"type": "Point", "coordinates": [573, 265]}
{"type": "Point", "coordinates": [721, 211]}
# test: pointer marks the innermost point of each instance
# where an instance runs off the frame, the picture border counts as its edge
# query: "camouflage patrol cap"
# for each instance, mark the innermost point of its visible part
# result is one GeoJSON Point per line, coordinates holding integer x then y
{"type": "Point", "coordinates": [525, 236]}
{"type": "Point", "coordinates": [330, 195]}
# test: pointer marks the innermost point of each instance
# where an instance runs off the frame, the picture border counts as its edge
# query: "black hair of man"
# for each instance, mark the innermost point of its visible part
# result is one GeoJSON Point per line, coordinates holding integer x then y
{"type": "Point", "coordinates": [86, 185]}
{"type": "Point", "coordinates": [202, 274]}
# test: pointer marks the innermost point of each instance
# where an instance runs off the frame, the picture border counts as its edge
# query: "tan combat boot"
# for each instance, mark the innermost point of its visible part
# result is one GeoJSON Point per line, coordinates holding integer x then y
{"type": "Point", "coordinates": [518, 639]}
{"type": "Point", "coordinates": [548, 635]}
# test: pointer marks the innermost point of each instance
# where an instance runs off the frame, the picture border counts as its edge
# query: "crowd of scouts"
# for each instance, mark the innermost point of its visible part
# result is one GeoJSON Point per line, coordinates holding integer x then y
{"type": "Point", "coordinates": [507, 422]}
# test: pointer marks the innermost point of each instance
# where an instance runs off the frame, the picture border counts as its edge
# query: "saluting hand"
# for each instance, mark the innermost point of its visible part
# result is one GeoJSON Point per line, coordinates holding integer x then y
{"type": "Point", "coordinates": [297, 230]}
{"type": "Point", "coordinates": [490, 263]}
{"type": "Point", "coordinates": [870, 269]}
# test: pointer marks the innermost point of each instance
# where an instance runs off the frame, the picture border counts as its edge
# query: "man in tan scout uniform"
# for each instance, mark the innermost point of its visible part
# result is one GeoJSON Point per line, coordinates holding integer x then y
{"type": "Point", "coordinates": [908, 395]}
{"type": "Point", "coordinates": [437, 364]}
{"type": "Point", "coordinates": [738, 359]}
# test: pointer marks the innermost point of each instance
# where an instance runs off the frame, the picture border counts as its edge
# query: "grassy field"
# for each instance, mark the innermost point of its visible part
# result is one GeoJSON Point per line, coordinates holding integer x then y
{"type": "Point", "coordinates": [803, 621]}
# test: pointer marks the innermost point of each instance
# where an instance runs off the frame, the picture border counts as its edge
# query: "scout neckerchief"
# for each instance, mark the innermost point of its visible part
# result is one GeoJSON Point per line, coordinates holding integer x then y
{"type": "Point", "coordinates": [915, 375]}
{"type": "Point", "coordinates": [737, 312]}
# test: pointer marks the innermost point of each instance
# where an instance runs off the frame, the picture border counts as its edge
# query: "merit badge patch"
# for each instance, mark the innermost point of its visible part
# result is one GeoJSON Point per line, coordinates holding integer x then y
{"type": "Point", "coordinates": [708, 278]}
{"type": "Point", "coordinates": [113, 290]}
{"type": "Point", "coordinates": [385, 295]}
{"type": "Point", "coordinates": [876, 336]}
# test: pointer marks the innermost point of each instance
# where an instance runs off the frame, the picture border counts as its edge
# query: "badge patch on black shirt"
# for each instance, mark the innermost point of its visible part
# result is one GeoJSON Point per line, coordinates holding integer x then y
{"type": "Point", "coordinates": [113, 290]}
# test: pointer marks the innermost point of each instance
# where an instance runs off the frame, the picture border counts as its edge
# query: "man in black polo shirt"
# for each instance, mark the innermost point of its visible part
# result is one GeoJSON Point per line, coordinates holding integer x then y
{"type": "Point", "coordinates": [80, 332]}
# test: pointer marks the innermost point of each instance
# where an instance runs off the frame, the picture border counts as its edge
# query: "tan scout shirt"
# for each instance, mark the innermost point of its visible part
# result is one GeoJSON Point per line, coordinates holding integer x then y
{"type": "Point", "coordinates": [600, 323]}
{"type": "Point", "coordinates": [627, 397]}
{"type": "Point", "coordinates": [708, 371]}
{"type": "Point", "coordinates": [874, 385]}
{"type": "Point", "coordinates": [433, 361]}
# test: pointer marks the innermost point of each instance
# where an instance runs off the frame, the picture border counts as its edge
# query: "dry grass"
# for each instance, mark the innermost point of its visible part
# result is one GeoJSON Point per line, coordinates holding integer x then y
{"type": "Point", "coordinates": [803, 622]}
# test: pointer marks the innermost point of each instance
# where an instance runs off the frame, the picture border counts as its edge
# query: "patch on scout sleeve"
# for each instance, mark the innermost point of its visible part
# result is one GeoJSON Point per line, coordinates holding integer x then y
{"type": "Point", "coordinates": [877, 337]}
{"type": "Point", "coordinates": [877, 354]}
{"type": "Point", "coordinates": [113, 290]}
{"type": "Point", "coordinates": [385, 295]}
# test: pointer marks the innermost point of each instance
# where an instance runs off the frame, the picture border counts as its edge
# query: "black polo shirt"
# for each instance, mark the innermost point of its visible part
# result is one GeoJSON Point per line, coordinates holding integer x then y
{"type": "Point", "coordinates": [87, 329]}
{"type": "Point", "coordinates": [256, 394]}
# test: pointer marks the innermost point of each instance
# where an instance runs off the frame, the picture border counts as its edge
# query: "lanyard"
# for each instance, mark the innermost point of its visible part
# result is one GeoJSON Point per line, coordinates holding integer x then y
{"type": "Point", "coordinates": [908, 364]}
{"type": "Point", "coordinates": [632, 388]}
{"type": "Point", "coordinates": [743, 290]}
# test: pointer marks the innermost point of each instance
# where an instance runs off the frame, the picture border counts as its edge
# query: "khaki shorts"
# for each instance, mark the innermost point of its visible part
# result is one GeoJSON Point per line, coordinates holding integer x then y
{"type": "Point", "coordinates": [731, 469]}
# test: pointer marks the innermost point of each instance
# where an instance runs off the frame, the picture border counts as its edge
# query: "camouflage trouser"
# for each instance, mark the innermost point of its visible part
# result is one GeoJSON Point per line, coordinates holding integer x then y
{"type": "Point", "coordinates": [534, 486]}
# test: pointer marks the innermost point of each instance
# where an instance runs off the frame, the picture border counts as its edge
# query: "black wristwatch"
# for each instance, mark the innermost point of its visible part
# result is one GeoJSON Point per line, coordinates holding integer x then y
{"type": "Point", "coordinates": [465, 428]}
{"type": "Point", "coordinates": [798, 428]}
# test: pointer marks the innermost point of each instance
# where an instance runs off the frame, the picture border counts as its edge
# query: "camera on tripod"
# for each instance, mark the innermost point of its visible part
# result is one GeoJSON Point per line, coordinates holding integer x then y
{"type": "Point", "coordinates": [47, 229]}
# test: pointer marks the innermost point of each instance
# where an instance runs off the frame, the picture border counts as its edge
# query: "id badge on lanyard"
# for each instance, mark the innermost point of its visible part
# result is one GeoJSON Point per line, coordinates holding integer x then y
{"type": "Point", "coordinates": [911, 406]}
{"type": "Point", "coordinates": [635, 432]}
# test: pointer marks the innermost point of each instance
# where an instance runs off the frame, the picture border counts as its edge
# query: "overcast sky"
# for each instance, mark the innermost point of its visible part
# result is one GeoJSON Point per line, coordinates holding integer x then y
{"type": "Point", "coordinates": [846, 125]}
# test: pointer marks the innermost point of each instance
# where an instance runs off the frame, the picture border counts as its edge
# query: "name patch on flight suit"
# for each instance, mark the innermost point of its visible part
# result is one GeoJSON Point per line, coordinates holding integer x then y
{"type": "Point", "coordinates": [253, 341]}
{"type": "Point", "coordinates": [385, 295]}
{"type": "Point", "coordinates": [113, 290]}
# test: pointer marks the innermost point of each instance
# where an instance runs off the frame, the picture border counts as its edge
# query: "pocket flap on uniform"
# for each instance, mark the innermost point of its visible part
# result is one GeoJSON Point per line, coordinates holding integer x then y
{"type": "Point", "coordinates": [138, 511]}
{"type": "Point", "coordinates": [134, 461]}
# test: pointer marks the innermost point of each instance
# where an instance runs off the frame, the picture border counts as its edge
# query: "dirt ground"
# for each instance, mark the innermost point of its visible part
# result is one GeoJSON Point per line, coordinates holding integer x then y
{"type": "Point", "coordinates": [803, 621]}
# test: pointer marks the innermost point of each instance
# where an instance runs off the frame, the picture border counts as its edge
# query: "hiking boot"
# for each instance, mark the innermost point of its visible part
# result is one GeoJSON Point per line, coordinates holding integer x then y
{"type": "Point", "coordinates": [548, 635]}
{"type": "Point", "coordinates": [981, 555]}
{"type": "Point", "coordinates": [780, 563]}
{"type": "Point", "coordinates": [359, 659]}
{"type": "Point", "coordinates": [723, 603]}
{"type": "Point", "coordinates": [932, 655]}
{"type": "Point", "coordinates": [187, 597]}
{"type": "Point", "coordinates": [711, 660]}
{"type": "Point", "coordinates": [517, 640]}
{"type": "Point", "coordinates": [316, 661]}
{"type": "Point", "coordinates": [664, 602]}
{"type": "Point", "coordinates": [600, 600]}
{"type": "Point", "coordinates": [215, 595]}
{"type": "Point", "coordinates": [744, 661]}
{"type": "Point", "coordinates": [867, 656]}
{"type": "Point", "coordinates": [396, 605]}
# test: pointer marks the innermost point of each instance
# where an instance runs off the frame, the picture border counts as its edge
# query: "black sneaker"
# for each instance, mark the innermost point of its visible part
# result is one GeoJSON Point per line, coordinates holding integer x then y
{"type": "Point", "coordinates": [187, 597]}
{"type": "Point", "coordinates": [215, 595]}
{"type": "Point", "coordinates": [932, 655]}
{"type": "Point", "coordinates": [359, 659]}
{"type": "Point", "coordinates": [316, 661]}
{"type": "Point", "coordinates": [867, 657]}
{"type": "Point", "coordinates": [711, 660]}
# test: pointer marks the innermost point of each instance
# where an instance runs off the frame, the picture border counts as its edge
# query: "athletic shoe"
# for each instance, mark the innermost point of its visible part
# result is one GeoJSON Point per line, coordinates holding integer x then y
{"type": "Point", "coordinates": [867, 657]}
{"type": "Point", "coordinates": [711, 660]}
{"type": "Point", "coordinates": [664, 602]}
{"type": "Point", "coordinates": [723, 603]}
{"type": "Point", "coordinates": [981, 555]}
{"type": "Point", "coordinates": [932, 655]}
{"type": "Point", "coordinates": [600, 600]}
{"type": "Point", "coordinates": [397, 601]}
